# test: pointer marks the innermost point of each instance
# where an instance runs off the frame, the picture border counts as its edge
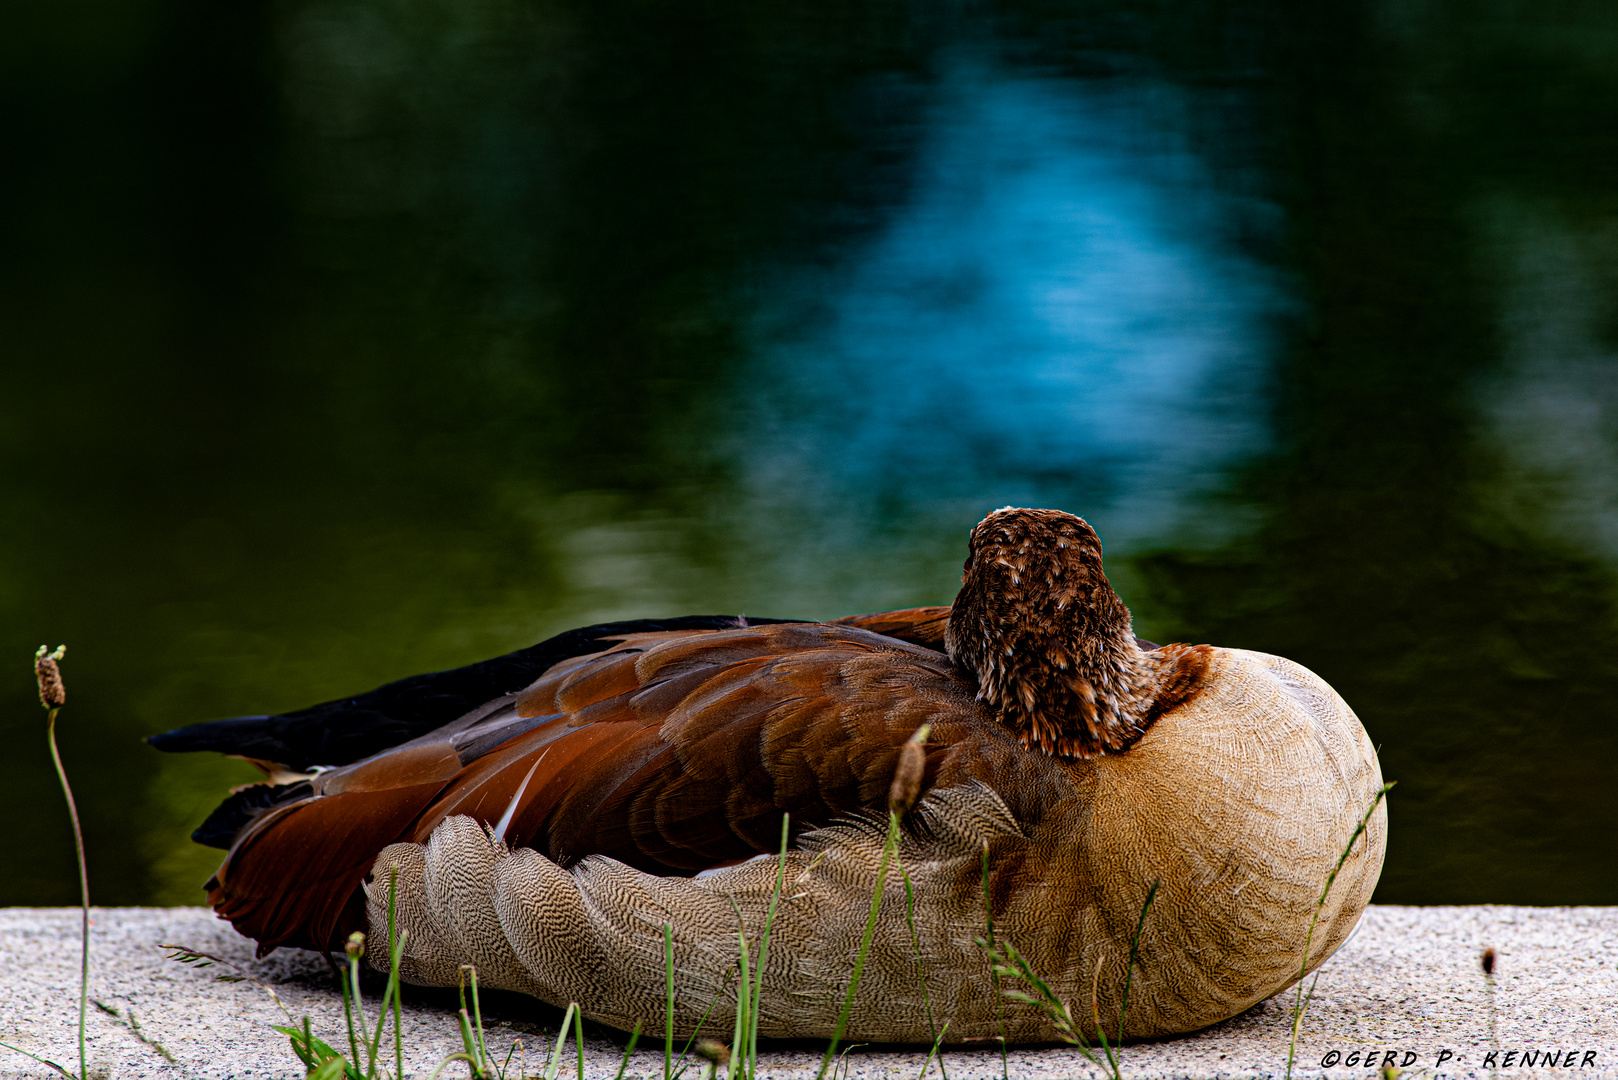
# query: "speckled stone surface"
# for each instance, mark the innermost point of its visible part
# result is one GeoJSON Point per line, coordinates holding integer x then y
{"type": "Point", "coordinates": [1409, 984]}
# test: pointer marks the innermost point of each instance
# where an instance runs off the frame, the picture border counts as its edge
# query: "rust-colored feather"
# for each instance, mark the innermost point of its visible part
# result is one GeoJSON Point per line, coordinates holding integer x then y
{"type": "Point", "coordinates": [485, 788]}
{"type": "Point", "coordinates": [293, 878]}
{"type": "Point", "coordinates": [922, 626]}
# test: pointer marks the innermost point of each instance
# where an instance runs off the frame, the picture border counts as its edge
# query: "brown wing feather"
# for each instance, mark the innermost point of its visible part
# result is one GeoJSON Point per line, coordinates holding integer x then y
{"type": "Point", "coordinates": [293, 877]}
{"type": "Point", "coordinates": [531, 763]}
{"type": "Point", "coordinates": [922, 626]}
{"type": "Point", "coordinates": [673, 751]}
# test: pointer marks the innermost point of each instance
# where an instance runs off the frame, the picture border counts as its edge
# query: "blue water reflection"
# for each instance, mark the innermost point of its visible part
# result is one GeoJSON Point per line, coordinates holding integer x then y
{"type": "Point", "coordinates": [1056, 314]}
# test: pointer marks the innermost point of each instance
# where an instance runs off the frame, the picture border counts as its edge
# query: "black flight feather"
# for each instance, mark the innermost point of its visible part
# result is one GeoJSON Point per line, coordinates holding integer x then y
{"type": "Point", "coordinates": [344, 731]}
{"type": "Point", "coordinates": [243, 806]}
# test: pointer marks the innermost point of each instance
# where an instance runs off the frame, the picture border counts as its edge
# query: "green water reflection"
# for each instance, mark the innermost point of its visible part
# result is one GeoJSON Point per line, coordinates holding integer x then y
{"type": "Point", "coordinates": [344, 340]}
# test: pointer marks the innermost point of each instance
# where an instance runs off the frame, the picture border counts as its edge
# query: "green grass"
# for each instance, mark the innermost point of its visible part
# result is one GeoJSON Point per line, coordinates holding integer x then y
{"type": "Point", "coordinates": [890, 847]}
{"type": "Point", "coordinates": [921, 979]}
{"type": "Point", "coordinates": [1300, 1004]}
{"type": "Point", "coordinates": [1007, 963]}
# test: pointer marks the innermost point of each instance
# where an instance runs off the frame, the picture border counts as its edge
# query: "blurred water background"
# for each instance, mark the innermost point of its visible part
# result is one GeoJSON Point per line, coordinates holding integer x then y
{"type": "Point", "coordinates": [346, 339]}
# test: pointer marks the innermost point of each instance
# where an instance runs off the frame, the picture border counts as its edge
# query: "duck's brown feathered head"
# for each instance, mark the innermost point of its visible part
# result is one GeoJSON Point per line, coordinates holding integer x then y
{"type": "Point", "coordinates": [1051, 644]}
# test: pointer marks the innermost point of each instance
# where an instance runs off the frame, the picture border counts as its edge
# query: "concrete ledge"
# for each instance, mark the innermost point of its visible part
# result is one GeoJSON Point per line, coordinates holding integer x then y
{"type": "Point", "coordinates": [1409, 983]}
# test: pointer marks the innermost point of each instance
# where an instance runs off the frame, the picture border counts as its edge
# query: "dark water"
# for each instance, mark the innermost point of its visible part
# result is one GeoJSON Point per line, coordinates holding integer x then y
{"type": "Point", "coordinates": [352, 338]}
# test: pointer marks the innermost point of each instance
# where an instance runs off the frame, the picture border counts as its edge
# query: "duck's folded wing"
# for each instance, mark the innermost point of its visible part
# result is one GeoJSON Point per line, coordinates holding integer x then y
{"type": "Point", "coordinates": [672, 752]}
{"type": "Point", "coordinates": [344, 731]}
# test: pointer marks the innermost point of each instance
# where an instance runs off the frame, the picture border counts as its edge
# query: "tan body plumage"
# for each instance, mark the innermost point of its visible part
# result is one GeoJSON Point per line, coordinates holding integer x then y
{"type": "Point", "coordinates": [1233, 778]}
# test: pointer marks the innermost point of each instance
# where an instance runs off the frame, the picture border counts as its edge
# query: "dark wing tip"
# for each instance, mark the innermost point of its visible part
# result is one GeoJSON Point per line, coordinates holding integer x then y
{"type": "Point", "coordinates": [226, 736]}
{"type": "Point", "coordinates": [347, 729]}
{"type": "Point", "coordinates": [221, 827]}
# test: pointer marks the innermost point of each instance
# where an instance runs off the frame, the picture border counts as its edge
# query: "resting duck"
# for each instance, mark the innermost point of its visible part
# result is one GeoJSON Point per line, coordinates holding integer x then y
{"type": "Point", "coordinates": [546, 813]}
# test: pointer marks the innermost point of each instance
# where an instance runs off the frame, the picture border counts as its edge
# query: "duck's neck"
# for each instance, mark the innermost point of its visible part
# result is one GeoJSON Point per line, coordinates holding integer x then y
{"type": "Point", "coordinates": [1051, 644]}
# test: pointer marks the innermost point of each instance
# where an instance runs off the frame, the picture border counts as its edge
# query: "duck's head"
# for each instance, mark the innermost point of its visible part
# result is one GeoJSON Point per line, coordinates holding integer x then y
{"type": "Point", "coordinates": [1051, 644]}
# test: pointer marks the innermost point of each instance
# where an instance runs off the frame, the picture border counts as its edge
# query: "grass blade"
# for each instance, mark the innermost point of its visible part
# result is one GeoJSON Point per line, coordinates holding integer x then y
{"type": "Point", "coordinates": [679, 1065]}
{"type": "Point", "coordinates": [184, 954]}
{"type": "Point", "coordinates": [376, 1039]}
{"type": "Point", "coordinates": [1298, 1005]}
{"type": "Point", "coordinates": [1134, 953]}
{"type": "Point", "coordinates": [634, 1037]}
{"type": "Point", "coordinates": [351, 976]}
{"type": "Point", "coordinates": [921, 977]}
{"type": "Point", "coordinates": [578, 1036]}
{"type": "Point", "coordinates": [330, 1069]}
{"type": "Point", "coordinates": [932, 1053]}
{"type": "Point", "coordinates": [472, 1021]}
{"type": "Point", "coordinates": [553, 1067]}
{"type": "Point", "coordinates": [395, 951]}
{"type": "Point", "coordinates": [463, 1019]}
{"type": "Point", "coordinates": [750, 1056]}
{"type": "Point", "coordinates": [890, 847]}
{"type": "Point", "coordinates": [36, 1057]}
{"type": "Point", "coordinates": [999, 995]}
{"type": "Point", "coordinates": [1008, 963]}
{"type": "Point", "coordinates": [744, 991]}
{"type": "Point", "coordinates": [1095, 1013]}
{"type": "Point", "coordinates": [523, 1061]}
{"type": "Point", "coordinates": [442, 1065]}
{"type": "Point", "coordinates": [668, 982]}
